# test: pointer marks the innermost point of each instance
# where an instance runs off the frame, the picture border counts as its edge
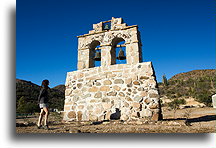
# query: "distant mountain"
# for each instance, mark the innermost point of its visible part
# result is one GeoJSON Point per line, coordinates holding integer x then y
{"type": "Point", "coordinates": [30, 91]}
{"type": "Point", "coordinates": [199, 84]}
{"type": "Point", "coordinates": [60, 88]}
{"type": "Point", "coordinates": [26, 89]}
{"type": "Point", "coordinates": [194, 74]}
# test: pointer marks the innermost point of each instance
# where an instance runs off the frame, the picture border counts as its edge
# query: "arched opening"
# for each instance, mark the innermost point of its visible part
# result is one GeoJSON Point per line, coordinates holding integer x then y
{"type": "Point", "coordinates": [116, 115]}
{"type": "Point", "coordinates": [118, 51]}
{"type": "Point", "coordinates": [94, 54]}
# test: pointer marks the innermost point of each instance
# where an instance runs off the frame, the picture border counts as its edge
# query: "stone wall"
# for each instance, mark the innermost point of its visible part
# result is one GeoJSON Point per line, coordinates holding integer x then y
{"type": "Point", "coordinates": [122, 91]}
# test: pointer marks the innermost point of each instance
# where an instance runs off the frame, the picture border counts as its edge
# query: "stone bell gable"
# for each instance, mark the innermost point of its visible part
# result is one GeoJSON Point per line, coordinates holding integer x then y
{"type": "Point", "coordinates": [111, 91]}
{"type": "Point", "coordinates": [108, 39]}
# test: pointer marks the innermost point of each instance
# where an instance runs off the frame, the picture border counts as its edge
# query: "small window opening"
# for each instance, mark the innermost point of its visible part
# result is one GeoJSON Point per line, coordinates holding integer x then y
{"type": "Point", "coordinates": [107, 26]}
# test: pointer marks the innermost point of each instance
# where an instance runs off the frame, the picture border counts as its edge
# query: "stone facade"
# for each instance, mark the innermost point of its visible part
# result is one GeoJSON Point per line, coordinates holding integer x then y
{"type": "Point", "coordinates": [111, 91]}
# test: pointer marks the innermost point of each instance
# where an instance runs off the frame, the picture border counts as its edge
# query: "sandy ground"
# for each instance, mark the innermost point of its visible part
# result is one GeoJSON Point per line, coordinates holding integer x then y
{"type": "Point", "coordinates": [200, 120]}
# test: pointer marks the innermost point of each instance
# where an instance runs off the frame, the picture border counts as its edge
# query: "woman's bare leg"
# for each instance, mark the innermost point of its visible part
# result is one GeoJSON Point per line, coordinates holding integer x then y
{"type": "Point", "coordinates": [40, 117]}
{"type": "Point", "coordinates": [46, 115]}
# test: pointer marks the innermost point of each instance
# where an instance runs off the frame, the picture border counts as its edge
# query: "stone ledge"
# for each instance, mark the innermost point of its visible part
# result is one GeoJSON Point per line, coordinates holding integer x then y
{"type": "Point", "coordinates": [127, 27]}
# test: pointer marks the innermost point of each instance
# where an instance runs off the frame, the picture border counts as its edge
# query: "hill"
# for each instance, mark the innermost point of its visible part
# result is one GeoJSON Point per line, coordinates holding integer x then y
{"type": "Point", "coordinates": [28, 93]}
{"type": "Point", "coordinates": [199, 84]}
{"type": "Point", "coordinates": [60, 88]}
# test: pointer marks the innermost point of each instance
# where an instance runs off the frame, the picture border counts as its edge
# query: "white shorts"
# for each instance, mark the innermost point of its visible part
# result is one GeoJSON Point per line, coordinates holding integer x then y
{"type": "Point", "coordinates": [42, 105]}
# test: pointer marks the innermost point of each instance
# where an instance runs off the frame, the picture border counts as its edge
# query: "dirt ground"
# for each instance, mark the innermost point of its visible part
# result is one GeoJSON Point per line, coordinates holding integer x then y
{"type": "Point", "coordinates": [199, 120]}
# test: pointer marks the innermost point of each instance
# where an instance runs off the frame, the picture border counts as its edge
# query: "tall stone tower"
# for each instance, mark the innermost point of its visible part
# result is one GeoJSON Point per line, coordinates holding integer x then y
{"type": "Point", "coordinates": [119, 91]}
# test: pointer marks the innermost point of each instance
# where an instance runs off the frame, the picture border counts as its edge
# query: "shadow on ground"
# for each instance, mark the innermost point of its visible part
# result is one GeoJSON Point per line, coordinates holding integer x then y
{"type": "Point", "coordinates": [199, 119]}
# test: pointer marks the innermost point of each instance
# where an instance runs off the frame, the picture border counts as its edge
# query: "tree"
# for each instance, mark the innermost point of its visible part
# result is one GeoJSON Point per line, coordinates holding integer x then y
{"type": "Point", "coordinates": [32, 107]}
{"type": "Point", "coordinates": [26, 107]}
{"type": "Point", "coordinates": [21, 108]}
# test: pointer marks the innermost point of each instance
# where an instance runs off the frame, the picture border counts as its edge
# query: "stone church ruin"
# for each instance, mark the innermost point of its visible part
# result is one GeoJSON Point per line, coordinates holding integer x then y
{"type": "Point", "coordinates": [111, 90]}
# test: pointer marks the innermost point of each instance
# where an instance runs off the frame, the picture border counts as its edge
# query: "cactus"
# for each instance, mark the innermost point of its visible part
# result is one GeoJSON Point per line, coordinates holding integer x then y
{"type": "Point", "coordinates": [164, 80]}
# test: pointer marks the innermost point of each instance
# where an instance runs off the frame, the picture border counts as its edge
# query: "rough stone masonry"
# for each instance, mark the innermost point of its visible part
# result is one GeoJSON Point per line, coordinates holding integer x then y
{"type": "Point", "coordinates": [111, 91]}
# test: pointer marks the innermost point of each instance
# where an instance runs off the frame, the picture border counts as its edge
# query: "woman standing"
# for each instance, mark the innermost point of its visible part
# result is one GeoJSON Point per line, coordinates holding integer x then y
{"type": "Point", "coordinates": [43, 104]}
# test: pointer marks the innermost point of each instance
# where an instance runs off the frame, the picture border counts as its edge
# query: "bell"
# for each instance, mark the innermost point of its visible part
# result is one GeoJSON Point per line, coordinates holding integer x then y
{"type": "Point", "coordinates": [97, 56]}
{"type": "Point", "coordinates": [106, 27]}
{"type": "Point", "coordinates": [121, 55]}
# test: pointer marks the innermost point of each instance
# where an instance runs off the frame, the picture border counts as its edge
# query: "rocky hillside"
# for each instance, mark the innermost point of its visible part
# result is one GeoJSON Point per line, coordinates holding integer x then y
{"type": "Point", "coordinates": [60, 88]}
{"type": "Point", "coordinates": [199, 84]}
{"type": "Point", "coordinates": [28, 93]}
{"type": "Point", "coordinates": [195, 74]}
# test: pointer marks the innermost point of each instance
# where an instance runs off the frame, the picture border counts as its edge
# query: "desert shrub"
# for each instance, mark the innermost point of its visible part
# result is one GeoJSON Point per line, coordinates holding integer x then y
{"type": "Point", "coordinates": [32, 107]}
{"type": "Point", "coordinates": [57, 103]}
{"type": "Point", "coordinates": [171, 82]}
{"type": "Point", "coordinates": [26, 107]}
{"type": "Point", "coordinates": [171, 91]}
{"type": "Point", "coordinates": [204, 98]}
{"type": "Point", "coordinates": [178, 95]}
{"type": "Point", "coordinates": [21, 105]}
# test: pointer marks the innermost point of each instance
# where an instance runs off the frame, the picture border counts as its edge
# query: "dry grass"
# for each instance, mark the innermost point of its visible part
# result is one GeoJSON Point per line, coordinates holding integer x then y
{"type": "Point", "coordinates": [202, 120]}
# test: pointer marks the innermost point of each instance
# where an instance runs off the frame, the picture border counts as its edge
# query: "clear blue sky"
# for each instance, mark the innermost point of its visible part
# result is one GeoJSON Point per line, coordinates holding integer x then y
{"type": "Point", "coordinates": [177, 35]}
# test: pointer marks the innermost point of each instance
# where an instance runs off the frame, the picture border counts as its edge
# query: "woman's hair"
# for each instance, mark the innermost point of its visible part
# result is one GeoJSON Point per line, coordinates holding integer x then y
{"type": "Point", "coordinates": [45, 83]}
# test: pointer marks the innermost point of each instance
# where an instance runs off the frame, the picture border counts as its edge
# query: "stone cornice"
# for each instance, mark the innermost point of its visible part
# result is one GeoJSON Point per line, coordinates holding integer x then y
{"type": "Point", "coordinates": [127, 27]}
{"type": "Point", "coordinates": [110, 45]}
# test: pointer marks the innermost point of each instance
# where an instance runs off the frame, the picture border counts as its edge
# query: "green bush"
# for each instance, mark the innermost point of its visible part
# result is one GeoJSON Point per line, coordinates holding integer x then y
{"type": "Point", "coordinates": [21, 107]}
{"type": "Point", "coordinates": [176, 103]}
{"type": "Point", "coordinates": [26, 107]}
{"type": "Point", "coordinates": [204, 98]}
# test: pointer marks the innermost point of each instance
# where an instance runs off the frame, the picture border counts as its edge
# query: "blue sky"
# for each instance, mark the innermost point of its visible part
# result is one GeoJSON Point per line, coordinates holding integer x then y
{"type": "Point", "coordinates": [177, 35]}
